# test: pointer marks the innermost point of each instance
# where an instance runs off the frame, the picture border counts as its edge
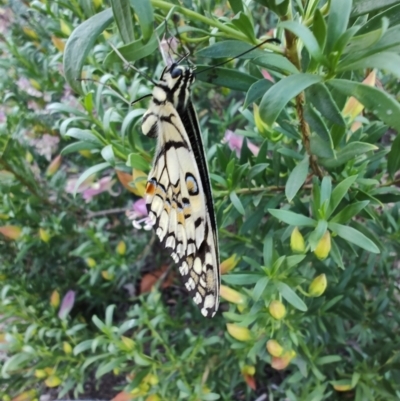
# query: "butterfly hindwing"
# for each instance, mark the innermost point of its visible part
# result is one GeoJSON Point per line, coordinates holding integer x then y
{"type": "Point", "coordinates": [178, 192]}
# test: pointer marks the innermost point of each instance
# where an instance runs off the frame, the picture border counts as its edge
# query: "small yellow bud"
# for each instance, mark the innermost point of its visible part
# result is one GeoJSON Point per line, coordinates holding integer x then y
{"type": "Point", "coordinates": [4, 216]}
{"type": "Point", "coordinates": [49, 371]}
{"type": "Point", "coordinates": [353, 107]}
{"type": "Point", "coordinates": [54, 166]}
{"type": "Point", "coordinates": [35, 84]}
{"type": "Point", "coordinates": [97, 3]}
{"type": "Point", "coordinates": [121, 248]}
{"type": "Point", "coordinates": [318, 286]}
{"type": "Point", "coordinates": [44, 235]}
{"type": "Point", "coordinates": [40, 373]}
{"type": "Point", "coordinates": [297, 241]}
{"type": "Point", "coordinates": [128, 342]}
{"type": "Point", "coordinates": [277, 310]}
{"type": "Point", "coordinates": [90, 262]}
{"type": "Point", "coordinates": [139, 188]}
{"type": "Point", "coordinates": [249, 370]}
{"type": "Point", "coordinates": [153, 397]}
{"type": "Point", "coordinates": [65, 28]}
{"type": "Point", "coordinates": [229, 264]}
{"type": "Point", "coordinates": [274, 348]}
{"type": "Point", "coordinates": [67, 348]}
{"type": "Point", "coordinates": [280, 363]}
{"type": "Point", "coordinates": [342, 385]}
{"type": "Point", "coordinates": [11, 232]}
{"type": "Point", "coordinates": [238, 332]}
{"type": "Point", "coordinates": [30, 32]}
{"type": "Point", "coordinates": [324, 246]}
{"type": "Point", "coordinates": [231, 295]}
{"type": "Point", "coordinates": [86, 153]}
{"type": "Point", "coordinates": [53, 381]}
{"type": "Point", "coordinates": [107, 275]}
{"type": "Point", "coordinates": [151, 379]}
{"type": "Point", "coordinates": [28, 157]}
{"type": "Point", "coordinates": [25, 396]}
{"type": "Point", "coordinates": [55, 299]}
{"type": "Point", "coordinates": [263, 128]}
{"type": "Point", "coordinates": [58, 43]}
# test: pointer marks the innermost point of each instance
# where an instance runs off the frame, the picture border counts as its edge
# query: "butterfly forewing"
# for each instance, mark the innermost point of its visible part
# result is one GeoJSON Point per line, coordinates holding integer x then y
{"type": "Point", "coordinates": [178, 192]}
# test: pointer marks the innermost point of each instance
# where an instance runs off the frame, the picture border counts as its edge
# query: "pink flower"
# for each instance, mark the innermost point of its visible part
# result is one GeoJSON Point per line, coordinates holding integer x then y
{"type": "Point", "coordinates": [267, 75]}
{"type": "Point", "coordinates": [168, 48]}
{"type": "Point", "coordinates": [45, 145]}
{"type": "Point", "coordinates": [103, 185]}
{"type": "Point", "coordinates": [71, 182]}
{"type": "Point", "coordinates": [235, 142]}
{"type": "Point", "coordinates": [6, 17]}
{"type": "Point", "coordinates": [66, 305]}
{"type": "Point", "coordinates": [139, 216]}
{"type": "Point", "coordinates": [24, 85]}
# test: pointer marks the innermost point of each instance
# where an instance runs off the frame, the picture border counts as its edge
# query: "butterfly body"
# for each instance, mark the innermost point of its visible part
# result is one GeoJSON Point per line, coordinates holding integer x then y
{"type": "Point", "coordinates": [178, 191]}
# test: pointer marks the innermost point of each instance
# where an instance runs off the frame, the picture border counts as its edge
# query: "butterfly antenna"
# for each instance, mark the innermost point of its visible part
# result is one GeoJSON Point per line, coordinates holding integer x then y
{"type": "Point", "coordinates": [141, 98]}
{"type": "Point", "coordinates": [241, 54]}
{"type": "Point", "coordinates": [130, 65]}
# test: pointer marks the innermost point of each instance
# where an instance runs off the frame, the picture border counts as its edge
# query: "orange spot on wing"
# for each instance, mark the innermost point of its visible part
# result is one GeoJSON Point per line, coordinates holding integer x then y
{"type": "Point", "coordinates": [150, 188]}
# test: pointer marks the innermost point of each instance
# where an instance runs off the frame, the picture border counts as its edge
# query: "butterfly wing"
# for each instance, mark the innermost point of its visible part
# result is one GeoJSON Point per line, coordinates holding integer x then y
{"type": "Point", "coordinates": [178, 205]}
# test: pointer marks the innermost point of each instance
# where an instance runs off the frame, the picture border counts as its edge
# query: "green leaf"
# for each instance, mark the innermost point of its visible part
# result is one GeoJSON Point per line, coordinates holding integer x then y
{"type": "Point", "coordinates": [293, 219]}
{"type": "Point", "coordinates": [322, 100]}
{"type": "Point", "coordinates": [137, 161]}
{"type": "Point", "coordinates": [237, 203]}
{"type": "Point", "coordinates": [242, 22]}
{"type": "Point", "coordinates": [90, 171]}
{"type": "Point", "coordinates": [361, 7]}
{"type": "Point", "coordinates": [109, 366]}
{"type": "Point", "coordinates": [317, 125]}
{"type": "Point", "coordinates": [259, 288]}
{"type": "Point", "coordinates": [256, 91]}
{"type": "Point", "coordinates": [282, 92]}
{"type": "Point", "coordinates": [294, 260]}
{"type": "Point", "coordinates": [83, 135]}
{"type": "Point", "coordinates": [376, 100]}
{"type": "Point", "coordinates": [268, 250]}
{"type": "Point", "coordinates": [241, 278]}
{"type": "Point", "coordinates": [210, 396]}
{"type": "Point", "coordinates": [324, 360]}
{"type": "Point", "coordinates": [83, 346]}
{"type": "Point", "coordinates": [349, 212]}
{"type": "Point", "coordinates": [319, 28]}
{"type": "Point", "coordinates": [77, 146]}
{"type": "Point", "coordinates": [109, 315]}
{"type": "Point", "coordinates": [79, 45]}
{"type": "Point", "coordinates": [276, 62]}
{"type": "Point", "coordinates": [394, 157]}
{"type": "Point", "coordinates": [339, 193]}
{"type": "Point", "coordinates": [226, 77]}
{"type": "Point", "coordinates": [145, 15]}
{"type": "Point", "coordinates": [307, 37]}
{"type": "Point", "coordinates": [296, 178]}
{"type": "Point", "coordinates": [229, 49]}
{"type": "Point", "coordinates": [386, 61]}
{"type": "Point", "coordinates": [108, 155]}
{"type": "Point", "coordinates": [236, 5]}
{"type": "Point", "coordinates": [349, 152]}
{"type": "Point", "coordinates": [321, 148]}
{"type": "Point", "coordinates": [317, 234]}
{"type": "Point", "coordinates": [354, 236]}
{"type": "Point", "coordinates": [392, 14]}
{"type": "Point", "coordinates": [291, 297]}
{"type": "Point", "coordinates": [123, 17]}
{"type": "Point", "coordinates": [338, 19]}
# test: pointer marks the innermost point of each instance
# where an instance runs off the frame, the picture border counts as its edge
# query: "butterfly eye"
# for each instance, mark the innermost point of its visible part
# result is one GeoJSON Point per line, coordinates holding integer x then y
{"type": "Point", "coordinates": [175, 71]}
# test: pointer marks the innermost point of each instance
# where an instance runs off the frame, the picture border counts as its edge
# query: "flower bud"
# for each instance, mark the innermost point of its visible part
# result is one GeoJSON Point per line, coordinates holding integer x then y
{"type": "Point", "coordinates": [238, 332]}
{"type": "Point", "coordinates": [248, 373]}
{"type": "Point", "coordinates": [40, 373]}
{"type": "Point", "coordinates": [65, 28]}
{"type": "Point", "coordinates": [44, 235]}
{"type": "Point", "coordinates": [139, 179]}
{"type": "Point", "coordinates": [153, 397]}
{"type": "Point", "coordinates": [231, 295]}
{"type": "Point", "coordinates": [249, 370]}
{"type": "Point", "coordinates": [54, 166]}
{"type": "Point", "coordinates": [66, 305]}
{"type": "Point", "coordinates": [90, 262]}
{"type": "Point", "coordinates": [53, 381]}
{"type": "Point", "coordinates": [280, 363]}
{"type": "Point", "coordinates": [151, 379]}
{"type": "Point", "coordinates": [263, 128]}
{"type": "Point", "coordinates": [107, 275]}
{"type": "Point", "coordinates": [342, 385]}
{"type": "Point", "coordinates": [67, 348]}
{"type": "Point", "coordinates": [297, 241]}
{"type": "Point", "coordinates": [324, 246]}
{"type": "Point", "coordinates": [11, 232]}
{"type": "Point", "coordinates": [30, 32]}
{"type": "Point", "coordinates": [128, 342]}
{"type": "Point", "coordinates": [25, 396]}
{"type": "Point", "coordinates": [229, 264]}
{"type": "Point", "coordinates": [277, 310]}
{"type": "Point", "coordinates": [121, 248]}
{"type": "Point", "coordinates": [318, 286]}
{"type": "Point", "coordinates": [86, 153]}
{"type": "Point", "coordinates": [58, 43]}
{"type": "Point", "coordinates": [55, 299]}
{"type": "Point", "coordinates": [274, 348]}
{"type": "Point", "coordinates": [35, 83]}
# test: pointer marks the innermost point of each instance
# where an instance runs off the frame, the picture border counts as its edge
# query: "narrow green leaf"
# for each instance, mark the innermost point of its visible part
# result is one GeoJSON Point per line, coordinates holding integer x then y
{"type": "Point", "coordinates": [100, 325]}
{"type": "Point", "coordinates": [307, 37]}
{"type": "Point", "coordinates": [77, 146]}
{"type": "Point", "coordinates": [276, 62]}
{"type": "Point", "coordinates": [237, 203]}
{"type": "Point", "coordinates": [290, 296]}
{"type": "Point", "coordinates": [230, 48]}
{"type": "Point", "coordinates": [259, 288]}
{"type": "Point", "coordinates": [241, 279]}
{"type": "Point", "coordinates": [319, 28]}
{"type": "Point", "coordinates": [123, 17]}
{"type": "Point", "coordinates": [242, 22]}
{"type": "Point", "coordinates": [79, 45]}
{"type": "Point", "coordinates": [83, 135]}
{"type": "Point", "coordinates": [296, 178]}
{"type": "Point", "coordinates": [108, 155]}
{"type": "Point", "coordinates": [109, 366]}
{"type": "Point", "coordinates": [339, 193]}
{"type": "Point", "coordinates": [394, 157]}
{"type": "Point", "coordinates": [376, 100]}
{"type": "Point", "coordinates": [291, 218]}
{"type": "Point", "coordinates": [354, 236]}
{"type": "Point", "coordinates": [349, 212]}
{"type": "Point", "coordinates": [90, 171]}
{"type": "Point", "coordinates": [317, 234]}
{"type": "Point", "coordinates": [361, 7]}
{"type": "Point", "coordinates": [236, 5]}
{"type": "Point", "coordinates": [135, 160]}
{"type": "Point", "coordinates": [316, 123]}
{"type": "Point", "coordinates": [144, 11]}
{"type": "Point", "coordinates": [392, 14]}
{"type": "Point", "coordinates": [256, 91]}
{"type": "Point", "coordinates": [268, 250]}
{"type": "Point", "coordinates": [109, 315]}
{"type": "Point", "coordinates": [282, 92]}
{"type": "Point", "coordinates": [338, 19]}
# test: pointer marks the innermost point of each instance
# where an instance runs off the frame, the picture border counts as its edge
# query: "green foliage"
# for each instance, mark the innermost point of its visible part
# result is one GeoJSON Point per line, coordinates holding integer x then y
{"type": "Point", "coordinates": [316, 117]}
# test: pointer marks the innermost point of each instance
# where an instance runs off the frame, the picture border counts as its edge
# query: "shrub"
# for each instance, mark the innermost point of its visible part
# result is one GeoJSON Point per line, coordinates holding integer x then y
{"type": "Point", "coordinates": [303, 156]}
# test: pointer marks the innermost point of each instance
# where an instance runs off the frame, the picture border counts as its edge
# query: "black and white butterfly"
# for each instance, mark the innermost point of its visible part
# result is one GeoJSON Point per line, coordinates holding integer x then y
{"type": "Point", "coordinates": [178, 191]}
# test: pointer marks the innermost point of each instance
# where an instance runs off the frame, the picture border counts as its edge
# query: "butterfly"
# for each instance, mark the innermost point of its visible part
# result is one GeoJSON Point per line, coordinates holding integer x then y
{"type": "Point", "coordinates": [178, 191]}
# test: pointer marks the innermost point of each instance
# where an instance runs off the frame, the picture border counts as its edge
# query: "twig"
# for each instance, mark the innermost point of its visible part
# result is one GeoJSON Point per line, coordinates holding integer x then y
{"type": "Point", "coordinates": [106, 212]}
